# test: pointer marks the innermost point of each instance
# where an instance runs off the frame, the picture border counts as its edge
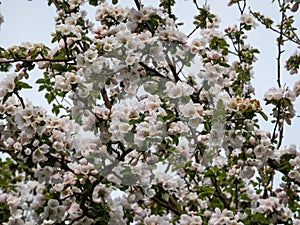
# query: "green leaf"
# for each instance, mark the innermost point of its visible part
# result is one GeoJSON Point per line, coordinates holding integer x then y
{"type": "Point", "coordinates": [170, 115]}
{"type": "Point", "coordinates": [56, 38]}
{"type": "Point", "coordinates": [4, 67]}
{"type": "Point", "coordinates": [207, 126]}
{"type": "Point", "coordinates": [263, 115]}
{"type": "Point", "coordinates": [50, 97]}
{"type": "Point", "coordinates": [4, 212]}
{"type": "Point", "coordinates": [93, 2]}
{"type": "Point", "coordinates": [42, 87]}
{"type": "Point", "coordinates": [40, 81]}
{"type": "Point", "coordinates": [285, 102]}
{"type": "Point", "coordinates": [151, 87]}
{"type": "Point", "coordinates": [59, 67]}
{"type": "Point", "coordinates": [21, 85]}
{"type": "Point", "coordinates": [176, 139]}
{"type": "Point", "coordinates": [134, 121]}
{"type": "Point", "coordinates": [225, 51]}
{"type": "Point", "coordinates": [224, 64]}
{"type": "Point", "coordinates": [207, 191]}
{"type": "Point", "coordinates": [6, 97]}
{"type": "Point", "coordinates": [128, 178]}
{"type": "Point", "coordinates": [261, 218]}
{"type": "Point", "coordinates": [284, 166]}
{"type": "Point", "coordinates": [56, 109]}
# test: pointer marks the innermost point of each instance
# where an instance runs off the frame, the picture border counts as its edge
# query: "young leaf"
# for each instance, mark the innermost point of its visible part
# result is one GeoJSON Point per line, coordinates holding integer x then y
{"type": "Point", "coordinates": [263, 115]}
{"type": "Point", "coordinates": [22, 85]}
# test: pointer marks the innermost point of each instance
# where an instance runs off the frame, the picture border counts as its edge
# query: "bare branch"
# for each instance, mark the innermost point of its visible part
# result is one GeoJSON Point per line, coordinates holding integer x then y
{"type": "Point", "coordinates": [193, 31]}
{"type": "Point", "coordinates": [147, 68]}
{"type": "Point", "coordinates": [2, 61]}
{"type": "Point", "coordinates": [279, 43]}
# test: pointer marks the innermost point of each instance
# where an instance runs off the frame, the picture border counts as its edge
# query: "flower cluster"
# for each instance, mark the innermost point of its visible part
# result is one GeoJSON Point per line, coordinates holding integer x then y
{"type": "Point", "coordinates": [178, 90]}
{"type": "Point", "coordinates": [7, 85]}
{"type": "Point", "coordinates": [133, 138]}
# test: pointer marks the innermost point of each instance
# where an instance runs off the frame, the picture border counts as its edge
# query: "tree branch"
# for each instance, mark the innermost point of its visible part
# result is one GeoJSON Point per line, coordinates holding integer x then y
{"type": "Point", "coordinates": [196, 4]}
{"type": "Point", "coordinates": [138, 4]}
{"type": "Point", "coordinates": [105, 98]}
{"type": "Point", "coordinates": [173, 69]}
{"type": "Point", "coordinates": [276, 124]}
{"type": "Point", "coordinates": [219, 192]}
{"type": "Point", "coordinates": [295, 39]}
{"type": "Point", "coordinates": [165, 204]}
{"type": "Point", "coordinates": [148, 68]}
{"type": "Point", "coordinates": [56, 3]}
{"type": "Point", "coordinates": [201, 150]}
{"type": "Point", "coordinates": [36, 60]}
{"type": "Point", "coordinates": [169, 8]}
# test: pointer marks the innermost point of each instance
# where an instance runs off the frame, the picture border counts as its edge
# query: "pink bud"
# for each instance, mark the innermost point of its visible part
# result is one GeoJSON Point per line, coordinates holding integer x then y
{"type": "Point", "coordinates": [82, 181]}
{"type": "Point", "coordinates": [83, 161]}
{"type": "Point", "coordinates": [252, 140]}
{"type": "Point", "coordinates": [249, 151]}
{"type": "Point", "coordinates": [292, 162]}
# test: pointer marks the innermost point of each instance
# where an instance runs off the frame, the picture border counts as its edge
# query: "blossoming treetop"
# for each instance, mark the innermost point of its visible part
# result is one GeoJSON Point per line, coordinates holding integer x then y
{"type": "Point", "coordinates": [179, 147]}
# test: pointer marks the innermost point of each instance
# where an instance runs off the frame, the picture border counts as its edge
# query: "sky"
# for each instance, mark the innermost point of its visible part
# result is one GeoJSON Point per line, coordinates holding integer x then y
{"type": "Point", "coordinates": [33, 21]}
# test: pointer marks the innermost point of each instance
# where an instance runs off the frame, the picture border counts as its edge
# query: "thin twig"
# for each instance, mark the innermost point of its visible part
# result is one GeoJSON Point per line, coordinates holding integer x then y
{"type": "Point", "coordinates": [169, 8]}
{"type": "Point", "coordinates": [66, 47]}
{"type": "Point", "coordinates": [279, 125]}
{"type": "Point", "coordinates": [21, 99]}
{"type": "Point", "coordinates": [196, 4]}
{"type": "Point", "coordinates": [242, 9]}
{"type": "Point", "coordinates": [280, 136]}
{"type": "Point", "coordinates": [279, 43]}
{"type": "Point", "coordinates": [148, 68]}
{"type": "Point", "coordinates": [193, 31]}
{"type": "Point", "coordinates": [274, 130]}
